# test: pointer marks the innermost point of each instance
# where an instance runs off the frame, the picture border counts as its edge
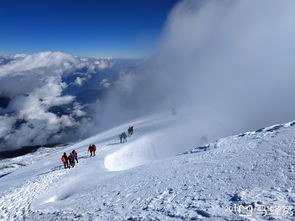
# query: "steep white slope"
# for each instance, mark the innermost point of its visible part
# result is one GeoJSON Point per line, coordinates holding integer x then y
{"type": "Point", "coordinates": [254, 169]}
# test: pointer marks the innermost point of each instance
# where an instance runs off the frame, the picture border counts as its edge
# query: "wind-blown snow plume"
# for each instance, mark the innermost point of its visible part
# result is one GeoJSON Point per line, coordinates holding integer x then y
{"type": "Point", "coordinates": [229, 62]}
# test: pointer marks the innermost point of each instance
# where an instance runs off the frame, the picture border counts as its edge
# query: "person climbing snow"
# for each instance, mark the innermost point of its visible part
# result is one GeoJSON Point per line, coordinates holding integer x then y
{"type": "Point", "coordinates": [71, 158]}
{"type": "Point", "coordinates": [92, 149]}
{"type": "Point", "coordinates": [130, 131]}
{"type": "Point", "coordinates": [123, 137]}
{"type": "Point", "coordinates": [65, 160]}
{"type": "Point", "coordinates": [75, 155]}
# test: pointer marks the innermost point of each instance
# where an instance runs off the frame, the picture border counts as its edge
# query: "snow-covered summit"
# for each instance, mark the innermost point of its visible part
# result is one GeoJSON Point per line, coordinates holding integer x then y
{"type": "Point", "coordinates": [143, 180]}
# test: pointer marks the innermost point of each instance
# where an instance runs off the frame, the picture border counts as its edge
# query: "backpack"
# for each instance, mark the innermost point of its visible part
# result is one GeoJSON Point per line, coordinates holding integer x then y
{"type": "Point", "coordinates": [71, 157]}
{"type": "Point", "coordinates": [63, 159]}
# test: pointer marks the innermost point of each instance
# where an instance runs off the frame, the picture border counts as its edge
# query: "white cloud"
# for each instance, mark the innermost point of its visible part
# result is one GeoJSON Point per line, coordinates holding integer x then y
{"type": "Point", "coordinates": [42, 106]}
{"type": "Point", "coordinates": [79, 81]}
{"type": "Point", "coordinates": [103, 64]}
{"type": "Point", "coordinates": [105, 83]}
{"type": "Point", "coordinates": [78, 110]}
{"type": "Point", "coordinates": [57, 62]}
{"type": "Point", "coordinates": [5, 125]}
{"type": "Point", "coordinates": [34, 84]}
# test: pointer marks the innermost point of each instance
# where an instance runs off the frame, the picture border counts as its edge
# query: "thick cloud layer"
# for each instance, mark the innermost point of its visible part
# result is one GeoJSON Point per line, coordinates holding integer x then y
{"type": "Point", "coordinates": [229, 64]}
{"type": "Point", "coordinates": [49, 97]}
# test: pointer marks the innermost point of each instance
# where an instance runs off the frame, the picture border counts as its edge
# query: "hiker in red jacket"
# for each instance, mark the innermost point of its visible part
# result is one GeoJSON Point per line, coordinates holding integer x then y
{"type": "Point", "coordinates": [92, 149]}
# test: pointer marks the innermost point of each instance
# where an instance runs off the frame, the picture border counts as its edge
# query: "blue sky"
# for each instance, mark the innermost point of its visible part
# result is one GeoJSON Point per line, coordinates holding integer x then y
{"type": "Point", "coordinates": [119, 28]}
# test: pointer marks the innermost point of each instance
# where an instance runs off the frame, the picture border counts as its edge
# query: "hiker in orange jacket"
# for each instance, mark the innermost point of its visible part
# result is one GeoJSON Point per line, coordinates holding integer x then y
{"type": "Point", "coordinates": [65, 160]}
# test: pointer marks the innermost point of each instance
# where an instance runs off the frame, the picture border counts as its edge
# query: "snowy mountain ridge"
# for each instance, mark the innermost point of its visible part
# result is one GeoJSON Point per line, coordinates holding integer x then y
{"type": "Point", "coordinates": [136, 181]}
{"type": "Point", "coordinates": [251, 133]}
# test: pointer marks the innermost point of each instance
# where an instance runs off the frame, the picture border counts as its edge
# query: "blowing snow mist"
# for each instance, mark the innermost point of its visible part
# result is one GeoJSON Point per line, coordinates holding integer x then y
{"type": "Point", "coordinates": [225, 66]}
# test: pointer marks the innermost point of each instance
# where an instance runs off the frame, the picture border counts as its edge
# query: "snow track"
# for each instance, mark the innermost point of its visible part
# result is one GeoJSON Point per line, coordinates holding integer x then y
{"type": "Point", "coordinates": [133, 181]}
{"type": "Point", "coordinates": [16, 204]}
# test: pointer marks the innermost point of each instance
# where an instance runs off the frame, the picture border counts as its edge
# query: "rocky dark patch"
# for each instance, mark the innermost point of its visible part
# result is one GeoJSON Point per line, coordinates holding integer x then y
{"type": "Point", "coordinates": [24, 150]}
{"type": "Point", "coordinates": [4, 102]}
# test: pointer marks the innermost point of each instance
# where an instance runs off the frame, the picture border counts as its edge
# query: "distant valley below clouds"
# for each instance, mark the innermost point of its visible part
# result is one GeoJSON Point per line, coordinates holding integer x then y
{"type": "Point", "coordinates": [51, 97]}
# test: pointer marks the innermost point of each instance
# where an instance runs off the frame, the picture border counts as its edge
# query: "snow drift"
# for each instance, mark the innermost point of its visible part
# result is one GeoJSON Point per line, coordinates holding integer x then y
{"type": "Point", "coordinates": [207, 182]}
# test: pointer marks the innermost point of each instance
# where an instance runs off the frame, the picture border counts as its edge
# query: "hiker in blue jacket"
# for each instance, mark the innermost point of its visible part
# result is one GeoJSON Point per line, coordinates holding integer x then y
{"type": "Point", "coordinates": [123, 137]}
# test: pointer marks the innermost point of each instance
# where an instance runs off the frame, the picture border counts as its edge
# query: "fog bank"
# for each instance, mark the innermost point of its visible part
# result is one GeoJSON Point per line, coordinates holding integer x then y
{"type": "Point", "coordinates": [229, 64]}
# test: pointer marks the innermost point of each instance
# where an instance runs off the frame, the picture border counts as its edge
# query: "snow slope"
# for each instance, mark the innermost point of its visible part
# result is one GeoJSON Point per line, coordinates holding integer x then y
{"type": "Point", "coordinates": [149, 178]}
